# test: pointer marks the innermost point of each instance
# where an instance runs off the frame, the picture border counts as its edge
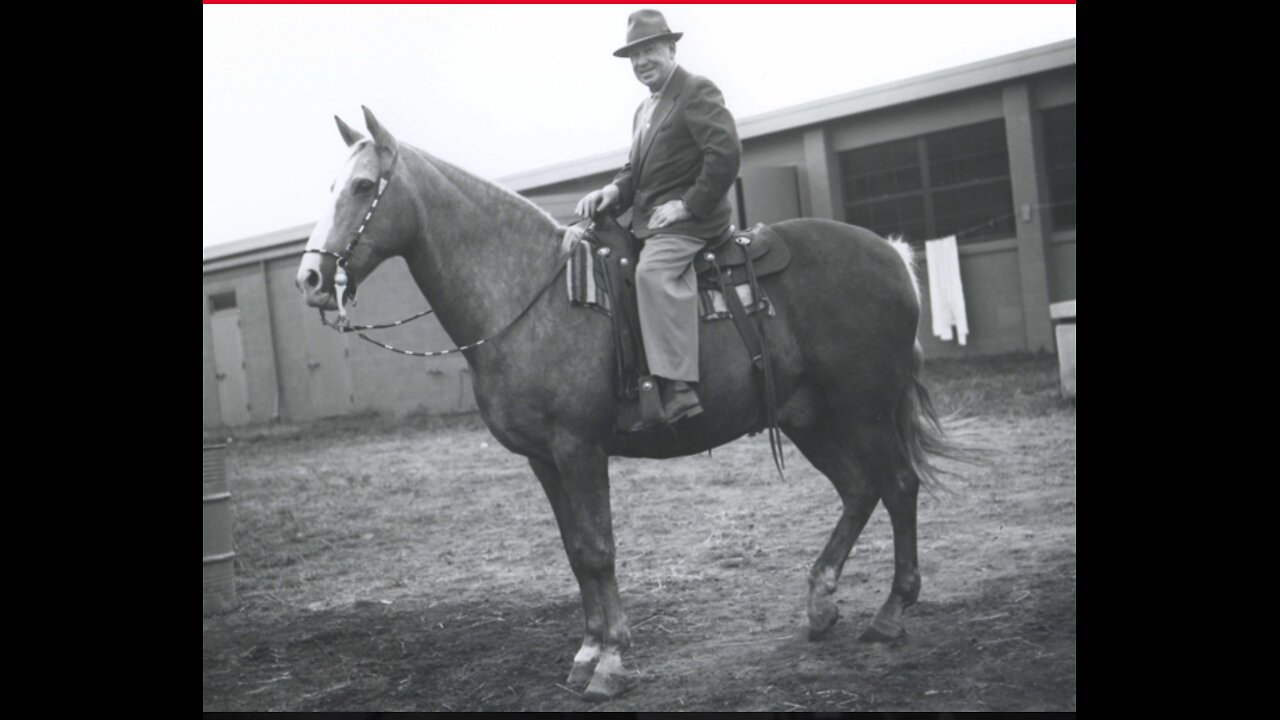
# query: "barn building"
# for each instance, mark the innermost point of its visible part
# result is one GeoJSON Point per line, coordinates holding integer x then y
{"type": "Point", "coordinates": [984, 151]}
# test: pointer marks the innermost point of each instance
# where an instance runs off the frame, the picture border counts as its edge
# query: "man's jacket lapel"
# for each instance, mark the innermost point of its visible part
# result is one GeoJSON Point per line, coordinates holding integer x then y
{"type": "Point", "coordinates": [666, 104]}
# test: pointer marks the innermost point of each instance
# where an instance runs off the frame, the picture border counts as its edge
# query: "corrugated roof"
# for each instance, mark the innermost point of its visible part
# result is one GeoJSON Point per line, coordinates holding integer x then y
{"type": "Point", "coordinates": [254, 245]}
{"type": "Point", "coordinates": [962, 77]}
{"type": "Point", "coordinates": [998, 69]}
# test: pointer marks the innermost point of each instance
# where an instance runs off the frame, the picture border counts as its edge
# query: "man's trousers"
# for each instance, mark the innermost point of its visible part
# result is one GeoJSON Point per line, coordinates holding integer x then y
{"type": "Point", "coordinates": [667, 293]}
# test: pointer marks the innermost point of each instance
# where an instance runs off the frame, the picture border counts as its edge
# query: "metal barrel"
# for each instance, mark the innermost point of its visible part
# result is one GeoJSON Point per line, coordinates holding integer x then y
{"type": "Point", "coordinates": [219, 554]}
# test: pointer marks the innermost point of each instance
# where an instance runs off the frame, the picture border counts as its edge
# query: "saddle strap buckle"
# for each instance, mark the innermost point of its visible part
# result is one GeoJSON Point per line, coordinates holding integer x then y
{"type": "Point", "coordinates": [650, 400]}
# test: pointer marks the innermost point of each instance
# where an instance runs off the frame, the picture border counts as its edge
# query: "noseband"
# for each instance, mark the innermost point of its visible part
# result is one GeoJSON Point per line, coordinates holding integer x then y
{"type": "Point", "coordinates": [340, 273]}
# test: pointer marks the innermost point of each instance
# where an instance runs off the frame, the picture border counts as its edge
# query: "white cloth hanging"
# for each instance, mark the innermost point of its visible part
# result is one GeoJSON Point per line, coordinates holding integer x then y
{"type": "Point", "coordinates": [946, 293]}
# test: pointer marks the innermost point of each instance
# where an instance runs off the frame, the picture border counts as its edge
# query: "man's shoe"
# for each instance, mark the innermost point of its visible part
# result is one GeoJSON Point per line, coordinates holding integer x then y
{"type": "Point", "coordinates": [680, 402]}
{"type": "Point", "coordinates": [640, 425]}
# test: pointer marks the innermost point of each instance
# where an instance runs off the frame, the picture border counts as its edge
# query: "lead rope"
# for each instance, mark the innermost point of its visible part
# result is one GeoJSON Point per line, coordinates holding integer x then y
{"type": "Point", "coordinates": [564, 258]}
{"type": "Point", "coordinates": [382, 326]}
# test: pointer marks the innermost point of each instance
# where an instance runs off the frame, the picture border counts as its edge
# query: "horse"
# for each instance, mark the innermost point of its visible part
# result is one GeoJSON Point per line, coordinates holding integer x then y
{"type": "Point", "coordinates": [846, 367]}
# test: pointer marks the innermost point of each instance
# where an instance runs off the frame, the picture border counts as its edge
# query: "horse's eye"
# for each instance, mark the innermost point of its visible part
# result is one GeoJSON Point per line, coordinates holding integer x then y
{"type": "Point", "coordinates": [364, 185]}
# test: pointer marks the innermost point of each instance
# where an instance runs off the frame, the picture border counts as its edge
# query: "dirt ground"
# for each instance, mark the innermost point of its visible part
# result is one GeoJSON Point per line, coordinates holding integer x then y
{"type": "Point", "coordinates": [414, 564]}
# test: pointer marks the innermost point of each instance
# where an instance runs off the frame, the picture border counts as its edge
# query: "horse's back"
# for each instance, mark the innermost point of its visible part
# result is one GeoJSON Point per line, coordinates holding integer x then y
{"type": "Point", "coordinates": [846, 248]}
{"type": "Point", "coordinates": [850, 308]}
{"type": "Point", "coordinates": [841, 263]}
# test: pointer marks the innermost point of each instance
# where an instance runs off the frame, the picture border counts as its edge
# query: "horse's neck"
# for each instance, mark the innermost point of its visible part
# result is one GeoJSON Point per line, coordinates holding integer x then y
{"type": "Point", "coordinates": [484, 252]}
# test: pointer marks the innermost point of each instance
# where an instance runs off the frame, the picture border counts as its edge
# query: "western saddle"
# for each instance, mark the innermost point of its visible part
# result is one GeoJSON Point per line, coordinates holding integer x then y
{"type": "Point", "coordinates": [735, 258]}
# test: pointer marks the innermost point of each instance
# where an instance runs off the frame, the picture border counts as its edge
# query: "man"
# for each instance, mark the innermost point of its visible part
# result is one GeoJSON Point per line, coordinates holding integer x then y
{"type": "Point", "coordinates": [684, 159]}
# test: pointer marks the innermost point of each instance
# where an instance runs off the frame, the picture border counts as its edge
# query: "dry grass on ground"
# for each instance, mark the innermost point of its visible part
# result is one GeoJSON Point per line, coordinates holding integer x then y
{"type": "Point", "coordinates": [413, 564]}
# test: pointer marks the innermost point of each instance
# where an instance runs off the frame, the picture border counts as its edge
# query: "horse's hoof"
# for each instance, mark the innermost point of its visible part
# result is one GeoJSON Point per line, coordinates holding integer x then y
{"type": "Point", "coordinates": [822, 621]}
{"type": "Point", "coordinates": [883, 631]}
{"type": "Point", "coordinates": [606, 687]}
{"type": "Point", "coordinates": [609, 679]}
{"type": "Point", "coordinates": [580, 674]}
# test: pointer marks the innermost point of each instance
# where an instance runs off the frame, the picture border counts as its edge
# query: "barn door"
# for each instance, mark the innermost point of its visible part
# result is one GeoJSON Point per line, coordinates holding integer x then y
{"type": "Point", "coordinates": [228, 360]}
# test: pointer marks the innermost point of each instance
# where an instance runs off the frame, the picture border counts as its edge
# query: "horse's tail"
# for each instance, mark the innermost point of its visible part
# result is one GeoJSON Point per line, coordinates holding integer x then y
{"type": "Point", "coordinates": [909, 259]}
{"type": "Point", "coordinates": [919, 431]}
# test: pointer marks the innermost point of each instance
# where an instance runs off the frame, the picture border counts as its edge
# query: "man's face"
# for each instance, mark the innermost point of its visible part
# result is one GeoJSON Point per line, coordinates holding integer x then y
{"type": "Point", "coordinates": [653, 61]}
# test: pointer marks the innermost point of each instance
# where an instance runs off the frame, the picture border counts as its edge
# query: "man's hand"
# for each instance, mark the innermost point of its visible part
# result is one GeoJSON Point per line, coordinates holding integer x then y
{"type": "Point", "coordinates": [669, 212]}
{"type": "Point", "coordinates": [597, 201]}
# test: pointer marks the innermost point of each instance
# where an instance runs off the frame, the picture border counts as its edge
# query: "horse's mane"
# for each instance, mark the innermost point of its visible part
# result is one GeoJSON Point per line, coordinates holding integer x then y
{"type": "Point", "coordinates": [513, 208]}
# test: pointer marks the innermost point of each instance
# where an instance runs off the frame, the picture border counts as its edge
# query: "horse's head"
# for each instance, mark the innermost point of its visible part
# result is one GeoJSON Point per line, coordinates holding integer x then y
{"type": "Point", "coordinates": [363, 223]}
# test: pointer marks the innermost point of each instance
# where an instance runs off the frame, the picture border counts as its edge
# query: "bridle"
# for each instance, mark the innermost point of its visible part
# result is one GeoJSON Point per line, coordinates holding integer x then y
{"type": "Point", "coordinates": [343, 323]}
{"type": "Point", "coordinates": [340, 270]}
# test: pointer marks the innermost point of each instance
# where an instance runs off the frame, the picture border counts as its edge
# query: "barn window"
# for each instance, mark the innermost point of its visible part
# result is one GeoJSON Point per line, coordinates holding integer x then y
{"type": "Point", "coordinates": [222, 301]}
{"type": "Point", "coordinates": [955, 181]}
{"type": "Point", "coordinates": [1060, 165]}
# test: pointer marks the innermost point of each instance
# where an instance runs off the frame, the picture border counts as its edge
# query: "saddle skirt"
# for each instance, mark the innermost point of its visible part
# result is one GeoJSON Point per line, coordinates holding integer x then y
{"type": "Point", "coordinates": [592, 258]}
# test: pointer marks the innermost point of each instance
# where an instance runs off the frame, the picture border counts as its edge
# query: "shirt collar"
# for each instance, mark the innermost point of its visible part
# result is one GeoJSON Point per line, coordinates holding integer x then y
{"type": "Point", "coordinates": [666, 82]}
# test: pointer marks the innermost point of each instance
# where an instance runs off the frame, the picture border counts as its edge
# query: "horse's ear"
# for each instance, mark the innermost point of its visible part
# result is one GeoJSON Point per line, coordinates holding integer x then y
{"type": "Point", "coordinates": [387, 145]}
{"type": "Point", "coordinates": [351, 137]}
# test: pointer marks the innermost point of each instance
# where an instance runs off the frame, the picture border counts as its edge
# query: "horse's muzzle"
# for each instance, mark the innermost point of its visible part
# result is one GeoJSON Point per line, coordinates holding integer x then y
{"type": "Point", "coordinates": [310, 280]}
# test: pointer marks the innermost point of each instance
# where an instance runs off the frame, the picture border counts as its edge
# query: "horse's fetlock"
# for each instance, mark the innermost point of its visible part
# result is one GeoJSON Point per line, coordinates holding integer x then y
{"type": "Point", "coordinates": [588, 653]}
{"type": "Point", "coordinates": [823, 579]}
{"type": "Point", "coordinates": [620, 641]}
{"type": "Point", "coordinates": [907, 585]}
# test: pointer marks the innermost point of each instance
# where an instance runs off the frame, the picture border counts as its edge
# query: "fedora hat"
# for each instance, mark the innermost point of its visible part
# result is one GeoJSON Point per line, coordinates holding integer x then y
{"type": "Point", "coordinates": [643, 26]}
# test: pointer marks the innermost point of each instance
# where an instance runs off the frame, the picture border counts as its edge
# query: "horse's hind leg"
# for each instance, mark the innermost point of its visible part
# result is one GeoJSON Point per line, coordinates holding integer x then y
{"type": "Point", "coordinates": [900, 492]}
{"type": "Point", "coordinates": [832, 453]}
{"type": "Point", "coordinates": [880, 450]}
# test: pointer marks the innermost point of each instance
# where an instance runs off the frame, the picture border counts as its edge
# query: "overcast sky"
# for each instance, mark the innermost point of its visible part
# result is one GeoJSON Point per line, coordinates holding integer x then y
{"type": "Point", "coordinates": [500, 89]}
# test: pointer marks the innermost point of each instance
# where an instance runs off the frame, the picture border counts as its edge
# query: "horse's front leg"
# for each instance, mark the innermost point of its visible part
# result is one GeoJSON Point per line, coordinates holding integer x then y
{"type": "Point", "coordinates": [577, 484]}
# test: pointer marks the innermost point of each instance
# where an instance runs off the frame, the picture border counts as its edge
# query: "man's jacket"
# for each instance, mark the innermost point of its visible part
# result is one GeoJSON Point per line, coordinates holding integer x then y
{"type": "Point", "coordinates": [690, 151]}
